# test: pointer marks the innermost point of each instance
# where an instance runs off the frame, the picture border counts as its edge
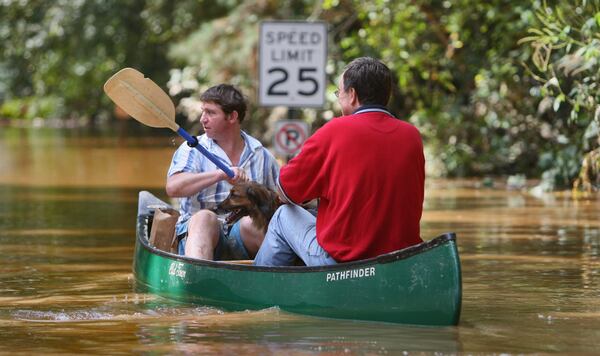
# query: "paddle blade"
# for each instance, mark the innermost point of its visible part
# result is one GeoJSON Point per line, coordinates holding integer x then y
{"type": "Point", "coordinates": [141, 98]}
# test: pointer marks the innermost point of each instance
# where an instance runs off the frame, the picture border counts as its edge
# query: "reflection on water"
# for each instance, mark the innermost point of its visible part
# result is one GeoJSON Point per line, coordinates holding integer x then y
{"type": "Point", "coordinates": [530, 265]}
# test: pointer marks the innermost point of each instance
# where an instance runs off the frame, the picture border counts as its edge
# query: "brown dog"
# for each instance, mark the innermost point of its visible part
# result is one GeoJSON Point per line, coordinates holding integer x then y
{"type": "Point", "coordinates": [251, 199]}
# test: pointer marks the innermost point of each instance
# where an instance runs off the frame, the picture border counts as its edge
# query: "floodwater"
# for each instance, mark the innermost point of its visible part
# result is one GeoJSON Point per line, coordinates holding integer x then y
{"type": "Point", "coordinates": [530, 265]}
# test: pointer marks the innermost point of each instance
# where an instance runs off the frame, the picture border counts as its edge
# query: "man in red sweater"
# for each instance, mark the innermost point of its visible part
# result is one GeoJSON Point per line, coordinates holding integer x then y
{"type": "Point", "coordinates": [367, 169]}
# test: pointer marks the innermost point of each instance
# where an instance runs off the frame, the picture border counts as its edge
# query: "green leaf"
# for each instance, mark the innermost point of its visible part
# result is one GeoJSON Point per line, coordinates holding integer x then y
{"type": "Point", "coordinates": [559, 99]}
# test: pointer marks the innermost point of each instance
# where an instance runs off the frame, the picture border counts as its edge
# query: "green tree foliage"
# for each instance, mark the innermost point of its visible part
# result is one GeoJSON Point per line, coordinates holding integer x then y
{"type": "Point", "coordinates": [566, 53]}
{"type": "Point", "coordinates": [67, 49]}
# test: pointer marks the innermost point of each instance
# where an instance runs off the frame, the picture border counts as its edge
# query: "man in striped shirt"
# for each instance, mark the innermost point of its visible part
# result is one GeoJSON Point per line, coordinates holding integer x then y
{"type": "Point", "coordinates": [202, 186]}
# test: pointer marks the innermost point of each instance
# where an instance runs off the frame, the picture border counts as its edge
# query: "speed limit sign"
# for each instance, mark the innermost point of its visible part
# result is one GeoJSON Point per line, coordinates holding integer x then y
{"type": "Point", "coordinates": [292, 63]}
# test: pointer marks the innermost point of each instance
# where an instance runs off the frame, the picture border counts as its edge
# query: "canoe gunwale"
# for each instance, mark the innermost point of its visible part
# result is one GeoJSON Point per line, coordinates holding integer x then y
{"type": "Point", "coordinates": [143, 233]}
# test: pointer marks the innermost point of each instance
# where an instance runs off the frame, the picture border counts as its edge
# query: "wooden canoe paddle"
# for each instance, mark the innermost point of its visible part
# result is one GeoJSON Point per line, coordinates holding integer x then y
{"type": "Point", "coordinates": [146, 102]}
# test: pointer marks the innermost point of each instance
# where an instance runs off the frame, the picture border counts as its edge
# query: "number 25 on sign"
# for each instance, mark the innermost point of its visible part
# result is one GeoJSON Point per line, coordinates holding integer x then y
{"type": "Point", "coordinates": [303, 76]}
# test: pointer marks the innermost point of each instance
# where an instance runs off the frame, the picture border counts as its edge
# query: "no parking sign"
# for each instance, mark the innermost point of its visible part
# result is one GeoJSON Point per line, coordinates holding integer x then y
{"type": "Point", "coordinates": [289, 136]}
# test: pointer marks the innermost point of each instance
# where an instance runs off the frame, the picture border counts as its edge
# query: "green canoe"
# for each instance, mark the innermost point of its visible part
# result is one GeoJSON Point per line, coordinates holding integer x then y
{"type": "Point", "coordinates": [418, 285]}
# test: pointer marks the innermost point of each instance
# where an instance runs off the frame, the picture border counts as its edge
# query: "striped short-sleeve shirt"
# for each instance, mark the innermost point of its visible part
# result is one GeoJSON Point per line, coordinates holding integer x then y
{"type": "Point", "coordinates": [258, 163]}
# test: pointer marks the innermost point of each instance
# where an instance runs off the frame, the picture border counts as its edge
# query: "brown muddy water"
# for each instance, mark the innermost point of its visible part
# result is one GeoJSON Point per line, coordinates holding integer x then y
{"type": "Point", "coordinates": [67, 227]}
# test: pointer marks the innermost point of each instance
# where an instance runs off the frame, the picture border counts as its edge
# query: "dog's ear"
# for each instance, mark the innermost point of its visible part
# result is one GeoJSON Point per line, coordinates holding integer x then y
{"type": "Point", "coordinates": [253, 195]}
{"type": "Point", "coordinates": [259, 200]}
{"type": "Point", "coordinates": [256, 194]}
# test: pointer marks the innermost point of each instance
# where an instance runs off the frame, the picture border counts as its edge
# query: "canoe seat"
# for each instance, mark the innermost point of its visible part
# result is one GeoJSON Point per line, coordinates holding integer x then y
{"type": "Point", "coordinates": [239, 262]}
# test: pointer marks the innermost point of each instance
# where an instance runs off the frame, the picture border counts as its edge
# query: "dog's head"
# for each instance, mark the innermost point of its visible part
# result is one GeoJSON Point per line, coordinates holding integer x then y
{"type": "Point", "coordinates": [249, 198]}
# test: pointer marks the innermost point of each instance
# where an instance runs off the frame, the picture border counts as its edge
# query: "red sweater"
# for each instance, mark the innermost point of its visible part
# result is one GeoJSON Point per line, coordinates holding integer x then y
{"type": "Point", "coordinates": [368, 170]}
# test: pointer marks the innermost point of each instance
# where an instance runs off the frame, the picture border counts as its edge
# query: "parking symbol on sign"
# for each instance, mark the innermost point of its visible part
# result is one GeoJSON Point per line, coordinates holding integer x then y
{"type": "Point", "coordinates": [289, 136]}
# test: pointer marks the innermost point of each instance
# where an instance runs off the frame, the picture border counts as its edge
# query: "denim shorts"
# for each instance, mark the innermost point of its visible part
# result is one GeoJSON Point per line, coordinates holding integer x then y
{"type": "Point", "coordinates": [229, 246]}
{"type": "Point", "coordinates": [292, 233]}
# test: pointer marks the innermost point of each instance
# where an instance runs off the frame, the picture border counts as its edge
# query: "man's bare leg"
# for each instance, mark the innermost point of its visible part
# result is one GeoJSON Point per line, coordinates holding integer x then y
{"type": "Point", "coordinates": [203, 235]}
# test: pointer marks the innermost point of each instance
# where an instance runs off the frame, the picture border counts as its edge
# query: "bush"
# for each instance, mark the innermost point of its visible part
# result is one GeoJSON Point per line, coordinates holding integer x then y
{"type": "Point", "coordinates": [30, 108]}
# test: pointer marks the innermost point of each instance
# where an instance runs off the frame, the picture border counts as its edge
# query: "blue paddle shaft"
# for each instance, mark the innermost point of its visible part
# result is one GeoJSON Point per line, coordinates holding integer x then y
{"type": "Point", "coordinates": [193, 142]}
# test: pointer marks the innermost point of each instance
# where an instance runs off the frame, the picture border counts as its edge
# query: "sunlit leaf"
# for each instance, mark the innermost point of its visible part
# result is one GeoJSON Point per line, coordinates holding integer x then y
{"type": "Point", "coordinates": [557, 101]}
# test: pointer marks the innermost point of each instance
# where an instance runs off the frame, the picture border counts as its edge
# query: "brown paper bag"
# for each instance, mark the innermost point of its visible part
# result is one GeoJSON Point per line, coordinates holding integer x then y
{"type": "Point", "coordinates": [162, 233]}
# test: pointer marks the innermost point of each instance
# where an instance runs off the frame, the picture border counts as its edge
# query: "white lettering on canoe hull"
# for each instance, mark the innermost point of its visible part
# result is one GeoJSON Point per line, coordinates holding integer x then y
{"type": "Point", "coordinates": [350, 274]}
{"type": "Point", "coordinates": [176, 269]}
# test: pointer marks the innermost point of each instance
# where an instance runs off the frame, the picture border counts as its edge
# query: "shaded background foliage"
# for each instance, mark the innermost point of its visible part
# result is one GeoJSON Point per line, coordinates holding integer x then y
{"type": "Point", "coordinates": [497, 87]}
{"type": "Point", "coordinates": [63, 51]}
{"type": "Point", "coordinates": [565, 63]}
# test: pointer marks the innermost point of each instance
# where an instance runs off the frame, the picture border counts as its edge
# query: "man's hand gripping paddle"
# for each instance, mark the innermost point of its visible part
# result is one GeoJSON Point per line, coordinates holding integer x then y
{"type": "Point", "coordinates": [146, 102]}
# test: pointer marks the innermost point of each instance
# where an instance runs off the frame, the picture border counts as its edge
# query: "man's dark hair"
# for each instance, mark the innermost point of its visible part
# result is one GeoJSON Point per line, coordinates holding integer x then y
{"type": "Point", "coordinates": [370, 78]}
{"type": "Point", "coordinates": [228, 97]}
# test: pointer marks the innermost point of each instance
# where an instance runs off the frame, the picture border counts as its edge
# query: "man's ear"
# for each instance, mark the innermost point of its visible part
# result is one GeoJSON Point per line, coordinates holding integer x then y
{"type": "Point", "coordinates": [233, 116]}
{"type": "Point", "coordinates": [353, 97]}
